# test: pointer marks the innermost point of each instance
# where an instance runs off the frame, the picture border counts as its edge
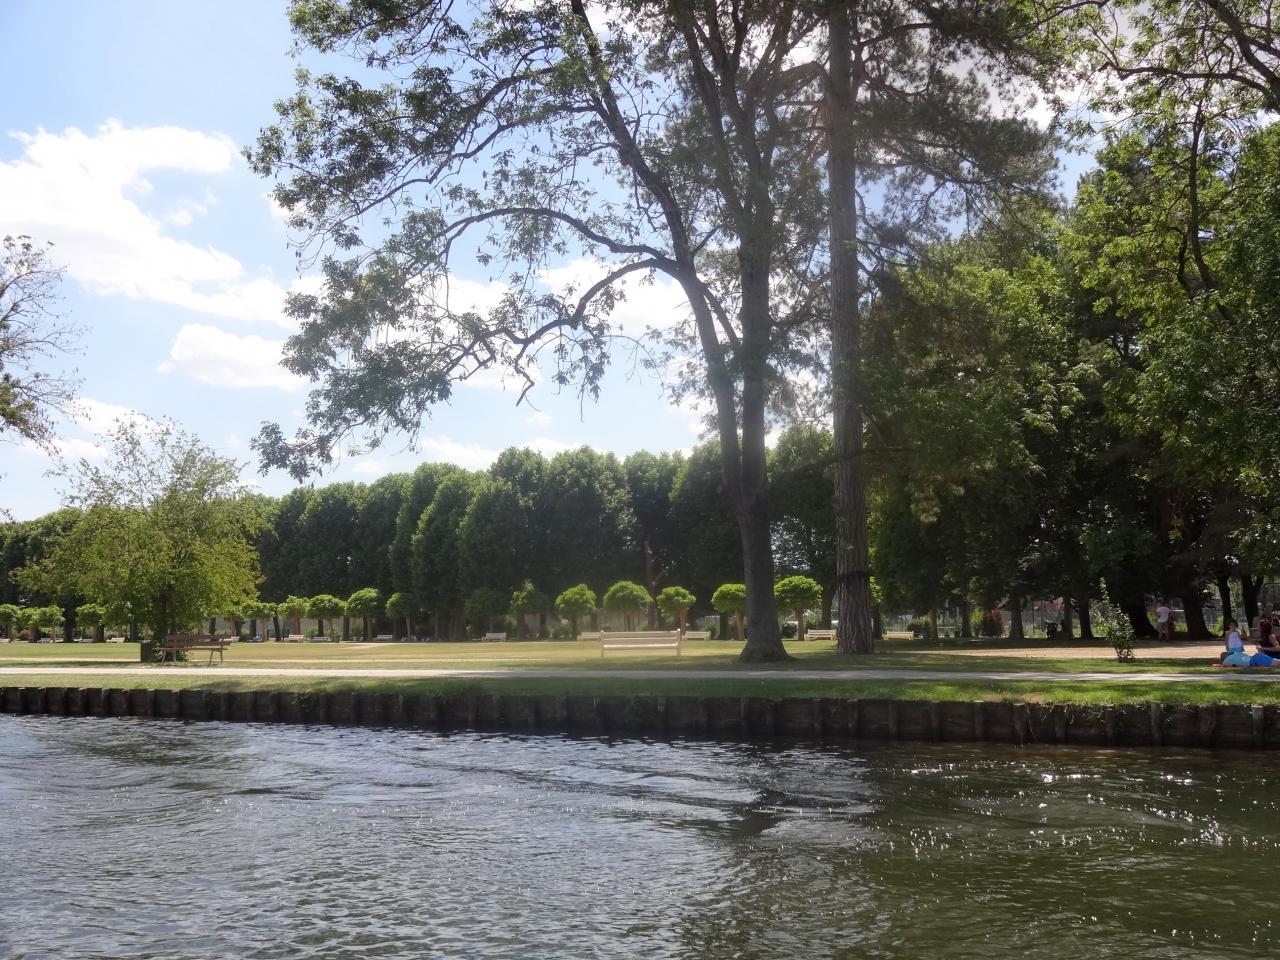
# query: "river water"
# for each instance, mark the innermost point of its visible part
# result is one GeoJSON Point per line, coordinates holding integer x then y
{"type": "Point", "coordinates": [149, 839]}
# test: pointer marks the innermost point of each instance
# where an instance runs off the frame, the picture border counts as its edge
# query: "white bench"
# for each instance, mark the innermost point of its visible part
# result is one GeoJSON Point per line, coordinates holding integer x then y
{"type": "Point", "coordinates": [641, 640]}
{"type": "Point", "coordinates": [384, 636]}
{"type": "Point", "coordinates": [697, 634]}
{"type": "Point", "coordinates": [591, 636]}
{"type": "Point", "coordinates": [116, 640]}
{"type": "Point", "coordinates": [295, 638]}
{"type": "Point", "coordinates": [494, 638]}
{"type": "Point", "coordinates": [904, 635]}
{"type": "Point", "coordinates": [817, 633]}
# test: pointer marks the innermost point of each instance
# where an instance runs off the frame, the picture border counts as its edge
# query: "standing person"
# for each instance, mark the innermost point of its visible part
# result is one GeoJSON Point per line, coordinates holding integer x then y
{"type": "Point", "coordinates": [1164, 621]}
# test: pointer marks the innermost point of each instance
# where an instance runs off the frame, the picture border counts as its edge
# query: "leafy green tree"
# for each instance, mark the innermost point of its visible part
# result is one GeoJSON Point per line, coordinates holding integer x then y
{"type": "Point", "coordinates": [801, 477]}
{"type": "Point", "coordinates": [731, 598]}
{"type": "Point", "coordinates": [326, 536]}
{"type": "Point", "coordinates": [277, 545]}
{"type": "Point", "coordinates": [588, 521]}
{"type": "Point", "coordinates": [799, 594]}
{"type": "Point", "coordinates": [420, 490]}
{"type": "Point", "coordinates": [9, 614]}
{"type": "Point", "coordinates": [528, 601]}
{"type": "Point", "coordinates": [650, 481]}
{"type": "Point", "coordinates": [683, 153]}
{"type": "Point", "coordinates": [375, 530]}
{"type": "Point", "coordinates": [258, 612]}
{"type": "Point", "coordinates": [437, 560]}
{"type": "Point", "coordinates": [495, 544]}
{"type": "Point", "coordinates": [674, 602]}
{"type": "Point", "coordinates": [707, 535]}
{"type": "Point", "coordinates": [165, 528]}
{"type": "Point", "coordinates": [325, 608]}
{"type": "Point", "coordinates": [575, 603]}
{"type": "Point", "coordinates": [93, 615]}
{"type": "Point", "coordinates": [485, 605]}
{"type": "Point", "coordinates": [367, 605]}
{"type": "Point", "coordinates": [48, 617]}
{"type": "Point", "coordinates": [31, 332]}
{"type": "Point", "coordinates": [295, 608]}
{"type": "Point", "coordinates": [400, 606]}
{"type": "Point", "coordinates": [627, 598]}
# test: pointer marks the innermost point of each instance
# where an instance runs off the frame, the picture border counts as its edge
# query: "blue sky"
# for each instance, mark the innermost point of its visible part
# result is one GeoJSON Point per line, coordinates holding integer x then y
{"type": "Point", "coordinates": [120, 144]}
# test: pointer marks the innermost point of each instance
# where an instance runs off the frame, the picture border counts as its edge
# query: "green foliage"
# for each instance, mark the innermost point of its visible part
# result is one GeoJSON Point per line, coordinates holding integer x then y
{"type": "Point", "coordinates": [798, 593]}
{"type": "Point", "coordinates": [295, 608]}
{"type": "Point", "coordinates": [9, 617]}
{"type": "Point", "coordinates": [325, 608]}
{"type": "Point", "coordinates": [165, 527]}
{"type": "Point", "coordinates": [486, 605]}
{"type": "Point", "coordinates": [30, 333]}
{"type": "Point", "coordinates": [627, 598]}
{"type": "Point", "coordinates": [529, 599]}
{"type": "Point", "coordinates": [730, 598]}
{"type": "Point", "coordinates": [91, 614]}
{"type": "Point", "coordinates": [674, 602]}
{"type": "Point", "coordinates": [576, 602]}
{"type": "Point", "coordinates": [365, 603]}
{"type": "Point", "coordinates": [1118, 630]}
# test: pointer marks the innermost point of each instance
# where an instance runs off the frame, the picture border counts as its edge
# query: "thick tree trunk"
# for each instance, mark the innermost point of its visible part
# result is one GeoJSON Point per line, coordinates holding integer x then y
{"type": "Point", "coordinates": [1224, 597]}
{"type": "Point", "coordinates": [828, 601]}
{"type": "Point", "coordinates": [1136, 610]}
{"type": "Point", "coordinates": [966, 620]}
{"type": "Point", "coordinates": [1016, 630]}
{"type": "Point", "coordinates": [853, 576]}
{"type": "Point", "coordinates": [1250, 590]}
{"type": "Point", "coordinates": [346, 627]}
{"type": "Point", "coordinates": [1193, 608]}
{"type": "Point", "coordinates": [1086, 625]}
{"type": "Point", "coordinates": [1068, 631]}
{"type": "Point", "coordinates": [542, 625]}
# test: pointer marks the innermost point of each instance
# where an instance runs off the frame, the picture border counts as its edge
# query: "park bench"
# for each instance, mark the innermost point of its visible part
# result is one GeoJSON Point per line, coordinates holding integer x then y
{"type": "Point", "coordinates": [295, 638]}
{"type": "Point", "coordinates": [818, 633]}
{"type": "Point", "coordinates": [494, 638]}
{"type": "Point", "coordinates": [116, 640]}
{"type": "Point", "coordinates": [904, 635]}
{"type": "Point", "coordinates": [591, 636]}
{"type": "Point", "coordinates": [184, 642]}
{"type": "Point", "coordinates": [697, 635]}
{"type": "Point", "coordinates": [641, 640]}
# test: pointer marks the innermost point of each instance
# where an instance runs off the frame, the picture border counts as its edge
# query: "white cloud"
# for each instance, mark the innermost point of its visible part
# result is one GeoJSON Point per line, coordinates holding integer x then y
{"type": "Point", "coordinates": [538, 418]}
{"type": "Point", "coordinates": [99, 416]}
{"type": "Point", "coordinates": [548, 447]}
{"type": "Point", "coordinates": [370, 467]}
{"type": "Point", "coordinates": [447, 450]}
{"type": "Point", "coordinates": [232, 442]}
{"type": "Point", "coordinates": [85, 193]}
{"type": "Point", "coordinates": [214, 356]}
{"type": "Point", "coordinates": [68, 448]}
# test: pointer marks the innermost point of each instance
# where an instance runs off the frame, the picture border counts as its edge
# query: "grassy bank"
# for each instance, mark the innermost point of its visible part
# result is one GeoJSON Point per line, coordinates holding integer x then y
{"type": "Point", "coordinates": [1085, 692]}
{"type": "Point", "coordinates": [704, 655]}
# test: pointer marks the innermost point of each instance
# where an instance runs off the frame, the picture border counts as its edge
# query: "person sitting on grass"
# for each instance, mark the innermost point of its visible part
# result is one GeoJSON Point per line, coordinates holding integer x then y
{"type": "Point", "coordinates": [1235, 655]}
{"type": "Point", "coordinates": [1268, 638]}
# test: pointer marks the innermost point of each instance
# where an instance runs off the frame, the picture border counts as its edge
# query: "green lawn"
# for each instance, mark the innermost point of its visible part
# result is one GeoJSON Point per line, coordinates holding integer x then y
{"type": "Point", "coordinates": [583, 656]}
{"type": "Point", "coordinates": [1114, 692]}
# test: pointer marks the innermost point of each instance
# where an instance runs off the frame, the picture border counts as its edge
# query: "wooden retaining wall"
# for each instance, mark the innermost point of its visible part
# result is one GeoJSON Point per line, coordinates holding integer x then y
{"type": "Point", "coordinates": [1148, 724]}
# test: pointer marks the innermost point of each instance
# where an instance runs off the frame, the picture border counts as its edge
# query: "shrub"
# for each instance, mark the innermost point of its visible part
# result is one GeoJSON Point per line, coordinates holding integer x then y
{"type": "Point", "coordinates": [574, 603]}
{"type": "Point", "coordinates": [628, 599]}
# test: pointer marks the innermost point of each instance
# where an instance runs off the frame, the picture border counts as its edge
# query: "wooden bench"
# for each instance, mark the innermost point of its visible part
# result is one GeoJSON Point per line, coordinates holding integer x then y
{"type": "Point", "coordinates": [905, 635]}
{"type": "Point", "coordinates": [183, 642]}
{"type": "Point", "coordinates": [697, 634]}
{"type": "Point", "coordinates": [641, 640]}
{"type": "Point", "coordinates": [591, 636]}
{"type": "Point", "coordinates": [817, 633]}
{"type": "Point", "coordinates": [494, 638]}
{"type": "Point", "coordinates": [116, 640]}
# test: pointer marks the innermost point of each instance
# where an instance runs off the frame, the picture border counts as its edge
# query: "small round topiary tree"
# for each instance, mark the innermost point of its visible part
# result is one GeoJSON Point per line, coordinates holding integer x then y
{"type": "Point", "coordinates": [485, 605]}
{"type": "Point", "coordinates": [295, 608]}
{"type": "Point", "coordinates": [325, 607]}
{"type": "Point", "coordinates": [258, 612]}
{"type": "Point", "coordinates": [575, 603]}
{"type": "Point", "coordinates": [674, 602]}
{"type": "Point", "coordinates": [93, 615]}
{"type": "Point", "coordinates": [400, 606]}
{"type": "Point", "coordinates": [731, 598]}
{"type": "Point", "coordinates": [528, 600]}
{"type": "Point", "coordinates": [628, 599]}
{"type": "Point", "coordinates": [9, 614]}
{"type": "Point", "coordinates": [365, 604]}
{"type": "Point", "coordinates": [798, 594]}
